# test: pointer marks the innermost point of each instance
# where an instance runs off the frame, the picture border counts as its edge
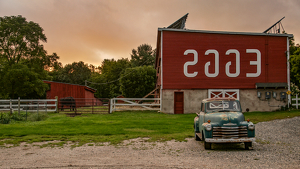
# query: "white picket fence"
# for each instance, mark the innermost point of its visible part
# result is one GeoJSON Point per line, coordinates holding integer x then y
{"type": "Point", "coordinates": [29, 105]}
{"type": "Point", "coordinates": [134, 104]}
{"type": "Point", "coordinates": [297, 101]}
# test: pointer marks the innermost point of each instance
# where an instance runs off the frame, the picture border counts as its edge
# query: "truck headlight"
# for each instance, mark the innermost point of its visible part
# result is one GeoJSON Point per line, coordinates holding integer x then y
{"type": "Point", "coordinates": [208, 127]}
{"type": "Point", "coordinates": [251, 126]}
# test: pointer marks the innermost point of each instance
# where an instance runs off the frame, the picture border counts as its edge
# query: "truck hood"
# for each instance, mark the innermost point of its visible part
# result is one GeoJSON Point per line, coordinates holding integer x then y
{"type": "Point", "coordinates": [221, 118]}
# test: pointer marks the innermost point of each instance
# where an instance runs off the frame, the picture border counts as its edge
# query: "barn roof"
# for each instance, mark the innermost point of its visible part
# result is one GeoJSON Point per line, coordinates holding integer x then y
{"type": "Point", "coordinates": [224, 32]}
{"type": "Point", "coordinates": [180, 23]}
{"type": "Point", "coordinates": [85, 87]}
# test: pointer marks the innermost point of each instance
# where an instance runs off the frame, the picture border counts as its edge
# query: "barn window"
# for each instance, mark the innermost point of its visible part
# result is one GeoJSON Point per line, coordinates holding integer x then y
{"type": "Point", "coordinates": [217, 93]}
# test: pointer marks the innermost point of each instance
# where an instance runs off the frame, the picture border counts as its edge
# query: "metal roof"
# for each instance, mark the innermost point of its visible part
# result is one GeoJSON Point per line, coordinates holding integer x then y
{"type": "Point", "coordinates": [86, 87]}
{"type": "Point", "coordinates": [225, 32]}
{"type": "Point", "coordinates": [180, 23]}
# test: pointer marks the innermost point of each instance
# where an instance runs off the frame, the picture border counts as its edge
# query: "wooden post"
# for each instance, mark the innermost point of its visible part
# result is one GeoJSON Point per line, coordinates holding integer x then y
{"type": "Point", "coordinates": [108, 106]}
{"type": "Point", "coordinates": [46, 106]}
{"type": "Point", "coordinates": [92, 106]}
{"type": "Point", "coordinates": [19, 105]}
{"type": "Point", "coordinates": [56, 104]}
{"type": "Point", "coordinates": [10, 106]}
{"type": "Point", "coordinates": [297, 101]}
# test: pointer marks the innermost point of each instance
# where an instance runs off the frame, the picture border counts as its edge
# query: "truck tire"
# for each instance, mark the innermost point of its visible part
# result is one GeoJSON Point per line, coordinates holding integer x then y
{"type": "Point", "coordinates": [207, 145]}
{"type": "Point", "coordinates": [247, 145]}
{"type": "Point", "coordinates": [196, 137]}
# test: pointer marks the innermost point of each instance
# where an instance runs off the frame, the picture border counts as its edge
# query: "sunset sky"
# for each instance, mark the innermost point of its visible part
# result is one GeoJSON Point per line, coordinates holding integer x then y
{"type": "Point", "coordinates": [94, 30]}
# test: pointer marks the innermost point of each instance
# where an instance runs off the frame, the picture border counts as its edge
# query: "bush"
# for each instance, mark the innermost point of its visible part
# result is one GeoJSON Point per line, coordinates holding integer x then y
{"type": "Point", "coordinates": [15, 116]}
{"type": "Point", "coordinates": [37, 116]}
{"type": "Point", "coordinates": [4, 118]}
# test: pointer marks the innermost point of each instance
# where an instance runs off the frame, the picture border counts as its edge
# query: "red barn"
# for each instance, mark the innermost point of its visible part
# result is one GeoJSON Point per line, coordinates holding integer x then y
{"type": "Point", "coordinates": [193, 64]}
{"type": "Point", "coordinates": [79, 92]}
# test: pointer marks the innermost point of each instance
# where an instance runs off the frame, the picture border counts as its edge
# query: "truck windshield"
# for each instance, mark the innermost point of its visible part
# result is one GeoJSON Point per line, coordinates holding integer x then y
{"type": "Point", "coordinates": [222, 106]}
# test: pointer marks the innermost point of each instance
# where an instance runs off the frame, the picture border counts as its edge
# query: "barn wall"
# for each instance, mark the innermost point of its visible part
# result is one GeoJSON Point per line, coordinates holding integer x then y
{"type": "Point", "coordinates": [89, 94]}
{"type": "Point", "coordinates": [248, 99]}
{"type": "Point", "coordinates": [65, 90]}
{"type": "Point", "coordinates": [192, 98]}
{"type": "Point", "coordinates": [177, 56]}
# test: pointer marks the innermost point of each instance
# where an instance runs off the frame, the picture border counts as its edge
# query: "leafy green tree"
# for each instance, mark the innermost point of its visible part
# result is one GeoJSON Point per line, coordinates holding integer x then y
{"type": "Point", "coordinates": [20, 39]}
{"type": "Point", "coordinates": [75, 73]}
{"type": "Point", "coordinates": [99, 82]}
{"type": "Point", "coordinates": [23, 55]}
{"type": "Point", "coordinates": [20, 81]}
{"type": "Point", "coordinates": [107, 82]}
{"type": "Point", "coordinates": [144, 55]}
{"type": "Point", "coordinates": [295, 65]}
{"type": "Point", "coordinates": [138, 81]}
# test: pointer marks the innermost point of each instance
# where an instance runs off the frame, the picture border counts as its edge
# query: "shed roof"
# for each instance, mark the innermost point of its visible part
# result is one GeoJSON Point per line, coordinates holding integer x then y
{"type": "Point", "coordinates": [85, 87]}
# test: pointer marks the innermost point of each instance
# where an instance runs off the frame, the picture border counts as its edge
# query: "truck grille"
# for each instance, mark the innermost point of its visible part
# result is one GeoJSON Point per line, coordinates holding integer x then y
{"type": "Point", "coordinates": [230, 132]}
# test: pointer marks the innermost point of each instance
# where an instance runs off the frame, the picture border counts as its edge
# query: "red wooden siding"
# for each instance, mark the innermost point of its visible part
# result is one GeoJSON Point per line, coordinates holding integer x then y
{"type": "Point", "coordinates": [273, 60]}
{"type": "Point", "coordinates": [65, 90]}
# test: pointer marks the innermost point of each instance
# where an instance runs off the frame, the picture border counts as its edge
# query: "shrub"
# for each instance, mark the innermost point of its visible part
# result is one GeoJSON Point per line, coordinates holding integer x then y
{"type": "Point", "coordinates": [37, 116]}
{"type": "Point", "coordinates": [4, 118]}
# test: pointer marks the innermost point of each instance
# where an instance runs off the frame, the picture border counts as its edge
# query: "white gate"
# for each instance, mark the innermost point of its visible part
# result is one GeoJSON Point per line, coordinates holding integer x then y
{"type": "Point", "coordinates": [217, 93]}
{"type": "Point", "coordinates": [134, 104]}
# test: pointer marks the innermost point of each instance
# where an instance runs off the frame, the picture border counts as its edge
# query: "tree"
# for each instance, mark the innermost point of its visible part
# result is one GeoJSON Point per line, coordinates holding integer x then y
{"type": "Point", "coordinates": [138, 81]}
{"type": "Point", "coordinates": [22, 58]}
{"type": "Point", "coordinates": [20, 39]}
{"type": "Point", "coordinates": [144, 55]}
{"type": "Point", "coordinates": [295, 65]}
{"type": "Point", "coordinates": [107, 81]}
{"type": "Point", "coordinates": [75, 73]}
{"type": "Point", "coordinates": [20, 81]}
{"type": "Point", "coordinates": [294, 62]}
{"type": "Point", "coordinates": [99, 82]}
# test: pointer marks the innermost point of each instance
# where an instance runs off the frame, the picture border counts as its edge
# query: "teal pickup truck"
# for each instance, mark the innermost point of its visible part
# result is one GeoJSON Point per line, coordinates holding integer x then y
{"type": "Point", "coordinates": [221, 121]}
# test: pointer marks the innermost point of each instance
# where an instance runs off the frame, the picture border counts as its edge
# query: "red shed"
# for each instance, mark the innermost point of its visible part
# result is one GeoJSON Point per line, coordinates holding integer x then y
{"type": "Point", "coordinates": [79, 92]}
{"type": "Point", "coordinates": [193, 64]}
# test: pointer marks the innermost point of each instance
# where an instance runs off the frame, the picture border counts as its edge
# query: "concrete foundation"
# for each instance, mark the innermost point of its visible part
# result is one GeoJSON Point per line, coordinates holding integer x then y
{"type": "Point", "coordinates": [248, 98]}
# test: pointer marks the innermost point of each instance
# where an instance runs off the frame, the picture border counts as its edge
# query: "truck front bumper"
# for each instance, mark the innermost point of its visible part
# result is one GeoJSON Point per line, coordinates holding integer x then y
{"type": "Point", "coordinates": [232, 140]}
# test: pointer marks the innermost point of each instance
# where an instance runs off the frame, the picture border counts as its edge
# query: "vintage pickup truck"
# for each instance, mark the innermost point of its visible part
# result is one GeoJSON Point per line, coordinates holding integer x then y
{"type": "Point", "coordinates": [221, 121]}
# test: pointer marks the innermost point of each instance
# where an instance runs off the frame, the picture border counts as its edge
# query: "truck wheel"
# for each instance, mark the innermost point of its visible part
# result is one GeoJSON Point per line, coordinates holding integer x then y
{"type": "Point", "coordinates": [207, 145]}
{"type": "Point", "coordinates": [197, 138]}
{"type": "Point", "coordinates": [247, 145]}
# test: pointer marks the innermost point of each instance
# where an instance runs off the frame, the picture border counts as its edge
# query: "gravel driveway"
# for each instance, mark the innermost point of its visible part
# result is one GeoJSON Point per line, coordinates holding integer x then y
{"type": "Point", "coordinates": [277, 146]}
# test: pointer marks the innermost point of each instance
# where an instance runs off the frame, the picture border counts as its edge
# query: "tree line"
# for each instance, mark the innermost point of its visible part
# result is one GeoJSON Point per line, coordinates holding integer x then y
{"type": "Point", "coordinates": [24, 64]}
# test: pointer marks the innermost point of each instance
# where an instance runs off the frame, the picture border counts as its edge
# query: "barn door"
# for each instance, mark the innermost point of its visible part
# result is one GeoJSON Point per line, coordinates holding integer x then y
{"type": "Point", "coordinates": [178, 103]}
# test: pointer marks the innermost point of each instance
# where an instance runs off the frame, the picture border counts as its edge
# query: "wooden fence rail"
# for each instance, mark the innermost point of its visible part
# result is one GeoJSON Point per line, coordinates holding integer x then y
{"type": "Point", "coordinates": [30, 105]}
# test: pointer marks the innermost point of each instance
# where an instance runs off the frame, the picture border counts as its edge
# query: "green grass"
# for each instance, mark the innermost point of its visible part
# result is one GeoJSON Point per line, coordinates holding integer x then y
{"type": "Point", "coordinates": [256, 117]}
{"type": "Point", "coordinates": [113, 128]}
{"type": "Point", "coordinates": [96, 128]}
